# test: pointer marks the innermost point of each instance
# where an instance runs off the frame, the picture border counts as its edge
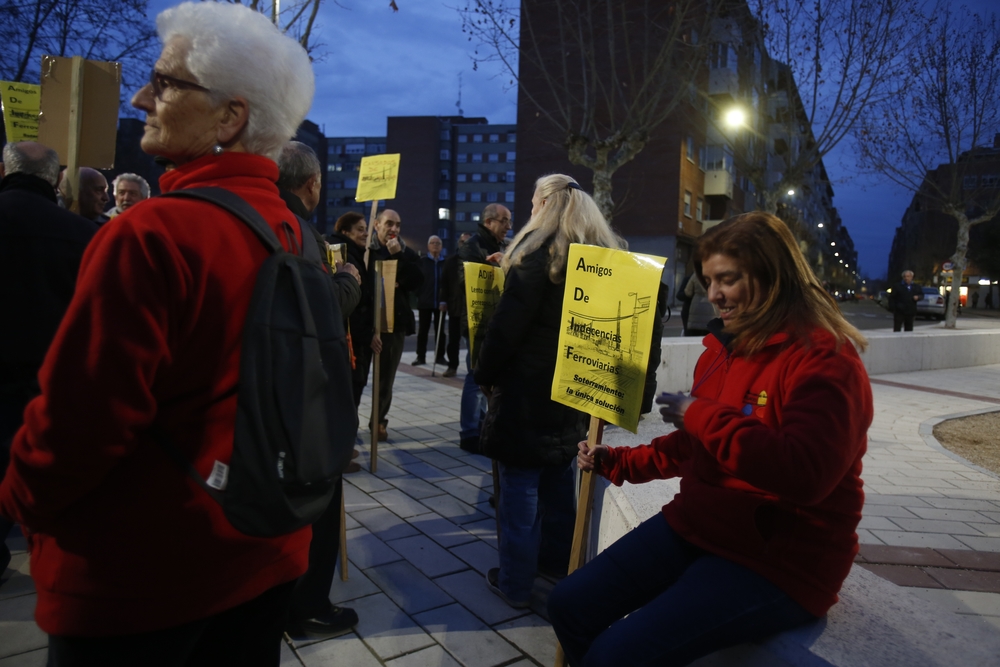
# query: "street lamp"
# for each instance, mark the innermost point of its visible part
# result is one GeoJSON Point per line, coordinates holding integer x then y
{"type": "Point", "coordinates": [791, 193]}
{"type": "Point", "coordinates": [735, 117]}
{"type": "Point", "coordinates": [820, 225]}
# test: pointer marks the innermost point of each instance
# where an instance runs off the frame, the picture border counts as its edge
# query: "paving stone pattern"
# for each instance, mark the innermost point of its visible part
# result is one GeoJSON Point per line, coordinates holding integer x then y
{"type": "Point", "coordinates": [421, 534]}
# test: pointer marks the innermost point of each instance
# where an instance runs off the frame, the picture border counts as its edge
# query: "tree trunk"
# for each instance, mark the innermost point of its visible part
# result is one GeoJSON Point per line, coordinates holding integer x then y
{"type": "Point", "coordinates": [958, 261]}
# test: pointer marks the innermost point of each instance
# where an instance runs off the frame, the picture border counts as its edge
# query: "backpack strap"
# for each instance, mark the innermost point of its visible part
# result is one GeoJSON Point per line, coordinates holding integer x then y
{"type": "Point", "coordinates": [310, 248]}
{"type": "Point", "coordinates": [239, 207]}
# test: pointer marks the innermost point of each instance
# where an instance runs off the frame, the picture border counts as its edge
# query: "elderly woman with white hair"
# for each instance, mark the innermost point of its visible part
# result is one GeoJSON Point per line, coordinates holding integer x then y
{"type": "Point", "coordinates": [133, 563]}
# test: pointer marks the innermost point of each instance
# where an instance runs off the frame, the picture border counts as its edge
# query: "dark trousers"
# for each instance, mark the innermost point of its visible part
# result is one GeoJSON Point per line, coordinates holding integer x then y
{"type": "Point", "coordinates": [392, 352]}
{"type": "Point", "coordinates": [247, 635]}
{"type": "Point", "coordinates": [652, 598]}
{"type": "Point", "coordinates": [454, 338]}
{"type": "Point", "coordinates": [902, 321]}
{"type": "Point", "coordinates": [362, 362]}
{"type": "Point", "coordinates": [311, 596]}
{"type": "Point", "coordinates": [428, 315]}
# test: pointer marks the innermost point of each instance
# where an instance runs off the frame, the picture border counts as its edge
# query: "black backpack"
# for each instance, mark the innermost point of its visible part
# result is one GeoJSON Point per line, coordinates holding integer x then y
{"type": "Point", "coordinates": [295, 422]}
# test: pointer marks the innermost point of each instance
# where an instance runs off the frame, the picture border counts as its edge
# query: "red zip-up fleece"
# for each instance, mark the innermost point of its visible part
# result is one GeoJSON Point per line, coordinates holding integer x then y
{"type": "Point", "coordinates": [769, 461]}
{"type": "Point", "coordinates": [122, 541]}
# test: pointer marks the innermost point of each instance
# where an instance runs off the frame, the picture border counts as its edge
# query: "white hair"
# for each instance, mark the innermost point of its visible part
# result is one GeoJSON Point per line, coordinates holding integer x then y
{"type": "Point", "coordinates": [132, 178]}
{"type": "Point", "coordinates": [236, 52]}
{"type": "Point", "coordinates": [29, 157]}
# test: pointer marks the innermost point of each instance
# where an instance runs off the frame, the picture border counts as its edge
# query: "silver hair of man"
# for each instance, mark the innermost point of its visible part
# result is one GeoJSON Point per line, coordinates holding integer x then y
{"type": "Point", "coordinates": [236, 52]}
{"type": "Point", "coordinates": [23, 157]}
{"type": "Point", "coordinates": [296, 165]}
{"type": "Point", "coordinates": [132, 178]}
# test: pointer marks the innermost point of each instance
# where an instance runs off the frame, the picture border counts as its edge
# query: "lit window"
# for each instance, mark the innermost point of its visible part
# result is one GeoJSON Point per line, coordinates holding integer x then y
{"type": "Point", "coordinates": [477, 157]}
{"type": "Point", "coordinates": [475, 217]}
{"type": "Point", "coordinates": [444, 213]}
{"type": "Point", "coordinates": [509, 196]}
{"type": "Point", "coordinates": [511, 156]}
{"type": "Point", "coordinates": [512, 137]}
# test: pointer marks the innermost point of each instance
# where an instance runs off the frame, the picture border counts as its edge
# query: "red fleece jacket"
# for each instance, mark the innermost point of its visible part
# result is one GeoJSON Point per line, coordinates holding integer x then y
{"type": "Point", "coordinates": [121, 540]}
{"type": "Point", "coordinates": [769, 461]}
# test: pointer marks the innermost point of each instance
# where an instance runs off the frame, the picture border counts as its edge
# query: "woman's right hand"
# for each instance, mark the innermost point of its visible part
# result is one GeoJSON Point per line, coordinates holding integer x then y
{"type": "Point", "coordinates": [586, 459]}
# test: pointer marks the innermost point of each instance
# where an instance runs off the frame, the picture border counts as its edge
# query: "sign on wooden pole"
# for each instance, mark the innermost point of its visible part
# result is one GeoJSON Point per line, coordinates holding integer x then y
{"type": "Point", "coordinates": [483, 288]}
{"type": "Point", "coordinates": [609, 307]}
{"type": "Point", "coordinates": [377, 177]}
{"type": "Point", "coordinates": [376, 358]}
{"type": "Point", "coordinates": [20, 103]}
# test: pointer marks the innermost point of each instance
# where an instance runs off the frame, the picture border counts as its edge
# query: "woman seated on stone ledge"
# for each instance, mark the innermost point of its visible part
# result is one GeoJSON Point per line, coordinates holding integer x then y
{"type": "Point", "coordinates": [768, 451]}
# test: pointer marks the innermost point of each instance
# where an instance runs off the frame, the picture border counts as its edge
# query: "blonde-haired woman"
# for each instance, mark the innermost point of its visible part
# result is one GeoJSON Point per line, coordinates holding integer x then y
{"type": "Point", "coordinates": [769, 448]}
{"type": "Point", "coordinates": [533, 438]}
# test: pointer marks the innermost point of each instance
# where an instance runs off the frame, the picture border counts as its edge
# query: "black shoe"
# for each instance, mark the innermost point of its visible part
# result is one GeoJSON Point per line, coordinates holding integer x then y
{"type": "Point", "coordinates": [554, 576]}
{"type": "Point", "coordinates": [470, 444]}
{"type": "Point", "coordinates": [338, 621]}
{"type": "Point", "coordinates": [450, 373]}
{"type": "Point", "coordinates": [492, 582]}
{"type": "Point", "coordinates": [419, 361]}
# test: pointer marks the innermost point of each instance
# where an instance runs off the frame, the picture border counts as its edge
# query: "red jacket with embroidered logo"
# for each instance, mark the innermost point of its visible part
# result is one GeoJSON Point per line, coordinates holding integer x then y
{"type": "Point", "coordinates": [769, 461]}
{"type": "Point", "coordinates": [121, 540]}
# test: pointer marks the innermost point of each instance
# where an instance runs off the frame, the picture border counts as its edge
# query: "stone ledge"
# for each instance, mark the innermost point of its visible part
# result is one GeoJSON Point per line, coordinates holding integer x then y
{"type": "Point", "coordinates": [876, 623]}
{"type": "Point", "coordinates": [928, 349]}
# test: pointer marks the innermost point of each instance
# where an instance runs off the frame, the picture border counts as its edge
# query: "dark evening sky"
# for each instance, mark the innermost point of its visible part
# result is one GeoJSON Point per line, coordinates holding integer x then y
{"type": "Point", "coordinates": [379, 63]}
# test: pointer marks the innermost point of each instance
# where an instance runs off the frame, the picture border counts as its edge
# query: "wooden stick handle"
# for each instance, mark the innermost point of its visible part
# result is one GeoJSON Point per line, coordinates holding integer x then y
{"type": "Point", "coordinates": [583, 511]}
{"type": "Point", "coordinates": [343, 537]}
{"type": "Point", "coordinates": [376, 358]}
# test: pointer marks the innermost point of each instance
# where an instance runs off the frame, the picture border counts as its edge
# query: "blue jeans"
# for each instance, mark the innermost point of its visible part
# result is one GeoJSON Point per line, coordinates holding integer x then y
{"type": "Point", "coordinates": [473, 405]}
{"type": "Point", "coordinates": [681, 603]}
{"type": "Point", "coordinates": [536, 516]}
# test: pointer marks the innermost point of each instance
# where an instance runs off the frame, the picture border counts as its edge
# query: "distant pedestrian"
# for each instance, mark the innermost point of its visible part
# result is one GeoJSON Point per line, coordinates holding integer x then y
{"type": "Point", "coordinates": [975, 299]}
{"type": "Point", "coordinates": [903, 302]}
{"type": "Point", "coordinates": [432, 266]}
{"type": "Point", "coordinates": [452, 302]}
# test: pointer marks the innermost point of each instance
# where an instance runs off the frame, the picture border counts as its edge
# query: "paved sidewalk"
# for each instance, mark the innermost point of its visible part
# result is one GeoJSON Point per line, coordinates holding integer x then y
{"type": "Point", "coordinates": [421, 532]}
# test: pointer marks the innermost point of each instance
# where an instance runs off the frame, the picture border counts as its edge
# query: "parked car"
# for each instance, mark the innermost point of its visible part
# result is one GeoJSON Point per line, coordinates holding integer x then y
{"type": "Point", "coordinates": [882, 299]}
{"type": "Point", "coordinates": [931, 305]}
{"type": "Point", "coordinates": [701, 312]}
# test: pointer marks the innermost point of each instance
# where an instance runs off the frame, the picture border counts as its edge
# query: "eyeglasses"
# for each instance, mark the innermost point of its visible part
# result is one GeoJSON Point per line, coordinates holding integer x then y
{"type": "Point", "coordinates": [161, 82]}
{"type": "Point", "coordinates": [503, 221]}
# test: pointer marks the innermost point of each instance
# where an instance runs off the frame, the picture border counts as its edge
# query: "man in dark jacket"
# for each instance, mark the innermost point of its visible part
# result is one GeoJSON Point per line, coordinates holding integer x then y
{"type": "Point", "coordinates": [452, 302]}
{"type": "Point", "coordinates": [41, 246]}
{"type": "Point", "coordinates": [387, 244]}
{"type": "Point", "coordinates": [903, 302]}
{"type": "Point", "coordinates": [431, 266]}
{"type": "Point", "coordinates": [485, 247]}
{"type": "Point", "coordinates": [311, 613]}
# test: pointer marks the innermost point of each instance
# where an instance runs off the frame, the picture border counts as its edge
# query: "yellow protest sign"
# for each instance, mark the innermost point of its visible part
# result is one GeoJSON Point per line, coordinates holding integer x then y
{"type": "Point", "coordinates": [483, 287]}
{"type": "Point", "coordinates": [20, 104]}
{"type": "Point", "coordinates": [377, 177]}
{"type": "Point", "coordinates": [609, 306]}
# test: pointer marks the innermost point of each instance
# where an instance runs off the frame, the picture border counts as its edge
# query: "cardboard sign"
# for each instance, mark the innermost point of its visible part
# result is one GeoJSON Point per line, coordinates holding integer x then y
{"type": "Point", "coordinates": [98, 106]}
{"type": "Point", "coordinates": [609, 308]}
{"type": "Point", "coordinates": [20, 105]}
{"type": "Point", "coordinates": [389, 290]}
{"type": "Point", "coordinates": [377, 177]}
{"type": "Point", "coordinates": [483, 287]}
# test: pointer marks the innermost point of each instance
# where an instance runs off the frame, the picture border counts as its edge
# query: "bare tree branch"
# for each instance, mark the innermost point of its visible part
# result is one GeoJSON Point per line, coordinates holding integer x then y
{"type": "Point", "coordinates": [928, 133]}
